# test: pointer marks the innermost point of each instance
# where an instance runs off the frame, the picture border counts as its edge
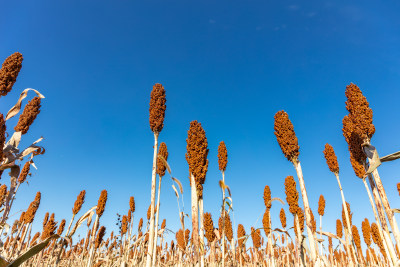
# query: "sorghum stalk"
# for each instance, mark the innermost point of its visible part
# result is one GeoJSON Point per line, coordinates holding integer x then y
{"type": "Point", "coordinates": [157, 114]}
{"type": "Point", "coordinates": [287, 140]}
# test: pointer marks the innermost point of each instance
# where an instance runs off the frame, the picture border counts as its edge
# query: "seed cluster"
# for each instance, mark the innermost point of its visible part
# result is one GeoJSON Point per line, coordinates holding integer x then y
{"type": "Point", "coordinates": [197, 151]}
{"type": "Point", "coordinates": [132, 204]}
{"type": "Point", "coordinates": [356, 237]}
{"type": "Point", "coordinates": [33, 207]}
{"type": "Point", "coordinates": [101, 204]}
{"type": "Point", "coordinates": [284, 132]}
{"type": "Point", "coordinates": [344, 215]}
{"type": "Point", "coordinates": [163, 152]}
{"type": "Point", "coordinates": [124, 225]}
{"type": "Point", "coordinates": [60, 229]}
{"type": "Point", "coordinates": [222, 156]}
{"type": "Point", "coordinates": [313, 222]}
{"type": "Point", "coordinates": [157, 108]}
{"type": "Point", "coordinates": [339, 228]}
{"type": "Point", "coordinates": [321, 205]}
{"type": "Point", "coordinates": [300, 217]}
{"type": "Point", "coordinates": [292, 196]}
{"type": "Point", "coordinates": [209, 227]}
{"type": "Point", "coordinates": [3, 194]}
{"type": "Point", "coordinates": [256, 237]}
{"type": "Point", "coordinates": [266, 222]}
{"type": "Point", "coordinates": [49, 228]}
{"type": "Point", "coordinates": [9, 72]}
{"type": "Point", "coordinates": [282, 217]}
{"type": "Point", "coordinates": [331, 159]}
{"type": "Point", "coordinates": [2, 135]}
{"type": "Point", "coordinates": [267, 197]}
{"type": "Point", "coordinates": [31, 110]}
{"type": "Point", "coordinates": [79, 202]}
{"type": "Point", "coordinates": [24, 172]}
{"type": "Point", "coordinates": [241, 232]}
{"type": "Point", "coordinates": [99, 237]}
{"type": "Point", "coordinates": [366, 230]}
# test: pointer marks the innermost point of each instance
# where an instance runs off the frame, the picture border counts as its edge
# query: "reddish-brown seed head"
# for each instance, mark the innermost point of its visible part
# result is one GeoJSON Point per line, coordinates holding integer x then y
{"type": "Point", "coordinates": [99, 237]}
{"type": "Point", "coordinates": [339, 228]}
{"type": "Point", "coordinates": [331, 159]}
{"type": "Point", "coordinates": [356, 237]}
{"type": "Point", "coordinates": [9, 72]}
{"type": "Point", "coordinates": [24, 172]}
{"type": "Point", "coordinates": [60, 229]}
{"type": "Point", "coordinates": [3, 194]}
{"type": "Point", "coordinates": [157, 108]}
{"type": "Point", "coordinates": [124, 225]}
{"type": "Point", "coordinates": [101, 204]}
{"type": "Point", "coordinates": [321, 205]}
{"type": "Point", "coordinates": [267, 197]}
{"type": "Point", "coordinates": [313, 222]}
{"type": "Point", "coordinates": [132, 204]}
{"type": "Point", "coordinates": [79, 202]}
{"type": "Point", "coordinates": [3, 129]}
{"type": "Point", "coordinates": [33, 207]}
{"type": "Point", "coordinates": [140, 224]}
{"type": "Point", "coordinates": [344, 215]}
{"type": "Point", "coordinates": [398, 188]}
{"type": "Point", "coordinates": [366, 230]}
{"type": "Point", "coordinates": [49, 228]}
{"type": "Point", "coordinates": [163, 152]}
{"type": "Point", "coordinates": [45, 219]}
{"type": "Point", "coordinates": [209, 227]}
{"type": "Point", "coordinates": [266, 222]}
{"type": "Point", "coordinates": [241, 232]}
{"type": "Point", "coordinates": [197, 151]}
{"type": "Point", "coordinates": [256, 237]}
{"type": "Point", "coordinates": [300, 217]}
{"type": "Point", "coordinates": [285, 135]}
{"type": "Point", "coordinates": [222, 156]}
{"type": "Point", "coordinates": [31, 110]}
{"type": "Point", "coordinates": [292, 196]}
{"type": "Point", "coordinates": [282, 217]}
{"type": "Point", "coordinates": [163, 224]}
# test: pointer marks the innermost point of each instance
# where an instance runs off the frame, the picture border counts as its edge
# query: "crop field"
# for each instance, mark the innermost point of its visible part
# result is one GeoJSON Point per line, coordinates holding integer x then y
{"type": "Point", "coordinates": [201, 240]}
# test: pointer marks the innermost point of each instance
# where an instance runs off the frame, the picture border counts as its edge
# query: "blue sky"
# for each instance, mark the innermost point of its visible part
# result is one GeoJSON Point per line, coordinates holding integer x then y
{"type": "Point", "coordinates": [230, 65]}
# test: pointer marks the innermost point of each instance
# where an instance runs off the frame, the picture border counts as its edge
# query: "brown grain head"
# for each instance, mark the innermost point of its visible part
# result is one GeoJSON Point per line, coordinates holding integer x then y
{"type": "Point", "coordinates": [28, 116]}
{"type": "Point", "coordinates": [101, 204]}
{"type": "Point", "coordinates": [366, 230]}
{"type": "Point", "coordinates": [45, 219]}
{"type": "Point", "coordinates": [228, 227]}
{"type": "Point", "coordinates": [132, 204]}
{"type": "Point", "coordinates": [331, 159]}
{"type": "Point", "coordinates": [124, 225]}
{"type": "Point", "coordinates": [286, 137]}
{"type": "Point", "coordinates": [157, 108]}
{"type": "Point", "coordinates": [266, 222]}
{"type": "Point", "coordinates": [163, 224]}
{"type": "Point", "coordinates": [140, 225]}
{"type": "Point", "coordinates": [339, 228]}
{"type": "Point", "coordinates": [313, 221]}
{"type": "Point", "coordinates": [163, 152]}
{"type": "Point", "coordinates": [9, 72]}
{"type": "Point", "coordinates": [360, 112]}
{"type": "Point", "coordinates": [3, 194]}
{"type": "Point", "coordinates": [292, 196]}
{"type": "Point", "coordinates": [282, 217]}
{"type": "Point", "coordinates": [3, 129]}
{"type": "Point", "coordinates": [241, 232]}
{"type": "Point", "coordinates": [49, 228]}
{"type": "Point", "coordinates": [79, 202]}
{"type": "Point", "coordinates": [222, 156]}
{"type": "Point", "coordinates": [356, 236]}
{"type": "Point", "coordinates": [267, 197]}
{"type": "Point", "coordinates": [300, 216]}
{"type": "Point", "coordinates": [197, 151]}
{"type": "Point", "coordinates": [24, 172]}
{"type": "Point", "coordinates": [376, 237]}
{"type": "Point", "coordinates": [180, 239]}
{"type": "Point", "coordinates": [99, 237]}
{"type": "Point", "coordinates": [60, 229]}
{"type": "Point", "coordinates": [209, 227]}
{"type": "Point", "coordinates": [33, 207]}
{"type": "Point", "coordinates": [321, 205]}
{"type": "Point", "coordinates": [256, 237]}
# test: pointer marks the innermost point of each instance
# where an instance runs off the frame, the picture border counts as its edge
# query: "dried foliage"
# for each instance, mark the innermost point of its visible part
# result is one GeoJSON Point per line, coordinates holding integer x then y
{"type": "Point", "coordinates": [9, 72]}
{"type": "Point", "coordinates": [157, 108]}
{"type": "Point", "coordinates": [286, 136]}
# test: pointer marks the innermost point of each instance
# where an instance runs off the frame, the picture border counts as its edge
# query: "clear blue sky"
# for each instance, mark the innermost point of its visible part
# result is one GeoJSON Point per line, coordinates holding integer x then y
{"type": "Point", "coordinates": [230, 65]}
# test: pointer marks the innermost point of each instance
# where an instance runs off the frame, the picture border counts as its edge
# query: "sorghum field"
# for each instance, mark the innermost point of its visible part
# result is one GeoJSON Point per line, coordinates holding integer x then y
{"type": "Point", "coordinates": [300, 239]}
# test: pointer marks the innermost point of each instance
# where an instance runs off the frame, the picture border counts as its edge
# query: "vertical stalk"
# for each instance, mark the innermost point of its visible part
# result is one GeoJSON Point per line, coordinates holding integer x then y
{"type": "Point", "coordinates": [202, 244]}
{"type": "Point", "coordinates": [306, 211]}
{"type": "Point", "coordinates": [195, 220]}
{"type": "Point", "coordinates": [156, 224]}
{"type": "Point", "coordinates": [386, 205]}
{"type": "Point", "coordinates": [388, 245]}
{"type": "Point", "coordinates": [223, 221]}
{"type": "Point", "coordinates": [153, 200]}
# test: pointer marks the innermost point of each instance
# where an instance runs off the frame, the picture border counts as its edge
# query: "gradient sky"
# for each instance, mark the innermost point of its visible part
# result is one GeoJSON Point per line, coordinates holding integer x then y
{"type": "Point", "coordinates": [230, 65]}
